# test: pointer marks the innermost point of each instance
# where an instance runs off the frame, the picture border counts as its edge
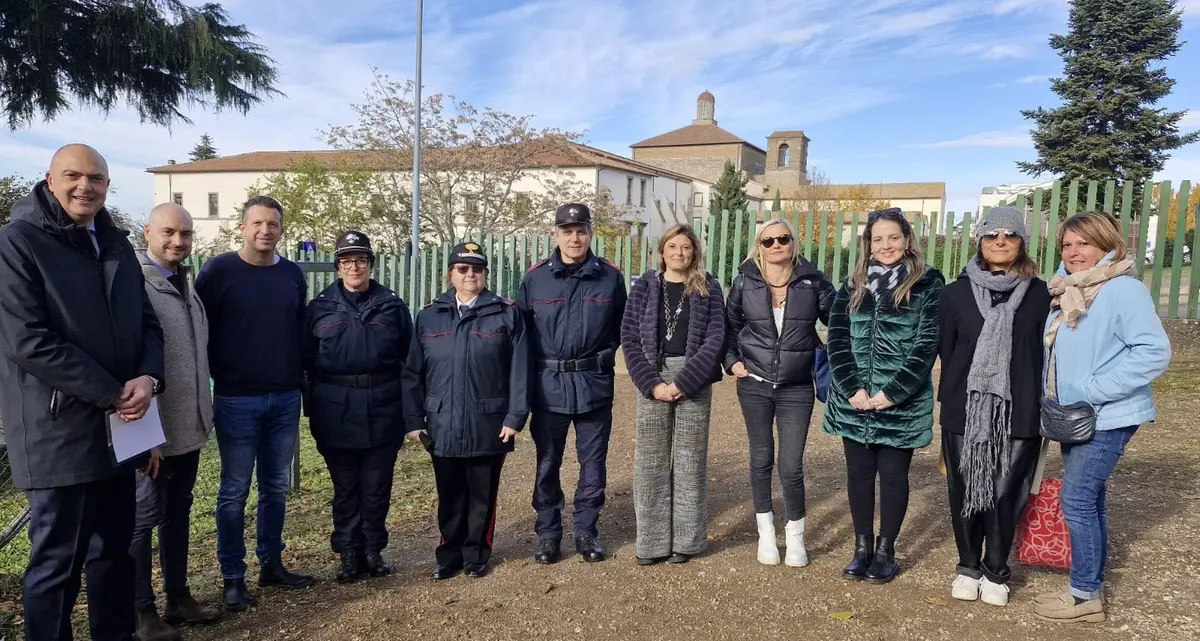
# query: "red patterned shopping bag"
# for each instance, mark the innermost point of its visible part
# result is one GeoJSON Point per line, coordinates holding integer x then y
{"type": "Point", "coordinates": [1042, 534]}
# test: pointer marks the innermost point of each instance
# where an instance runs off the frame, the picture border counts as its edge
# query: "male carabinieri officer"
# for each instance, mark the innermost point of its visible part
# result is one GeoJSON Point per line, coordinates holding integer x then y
{"type": "Point", "coordinates": [573, 302]}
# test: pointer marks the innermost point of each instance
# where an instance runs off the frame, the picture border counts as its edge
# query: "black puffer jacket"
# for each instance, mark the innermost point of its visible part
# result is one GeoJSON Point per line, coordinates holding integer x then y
{"type": "Point", "coordinates": [752, 337]}
{"type": "Point", "coordinates": [466, 377]}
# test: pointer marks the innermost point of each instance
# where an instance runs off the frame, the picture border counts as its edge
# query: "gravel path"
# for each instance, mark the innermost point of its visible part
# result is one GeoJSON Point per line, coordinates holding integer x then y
{"type": "Point", "coordinates": [1154, 592]}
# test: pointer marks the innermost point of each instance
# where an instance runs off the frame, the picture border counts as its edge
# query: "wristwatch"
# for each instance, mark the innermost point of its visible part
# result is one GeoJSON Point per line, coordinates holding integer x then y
{"type": "Point", "coordinates": [157, 385]}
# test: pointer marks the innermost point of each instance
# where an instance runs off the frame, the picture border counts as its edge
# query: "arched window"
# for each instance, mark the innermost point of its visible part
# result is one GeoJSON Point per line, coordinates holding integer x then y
{"type": "Point", "coordinates": [704, 115]}
{"type": "Point", "coordinates": [785, 155]}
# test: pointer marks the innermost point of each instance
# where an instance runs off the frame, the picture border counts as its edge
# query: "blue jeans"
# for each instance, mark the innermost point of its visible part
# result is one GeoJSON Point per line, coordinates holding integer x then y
{"type": "Point", "coordinates": [1086, 468]}
{"type": "Point", "coordinates": [249, 429]}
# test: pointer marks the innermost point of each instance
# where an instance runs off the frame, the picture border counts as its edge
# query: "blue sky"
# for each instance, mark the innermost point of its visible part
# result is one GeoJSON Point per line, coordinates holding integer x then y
{"type": "Point", "coordinates": [888, 90]}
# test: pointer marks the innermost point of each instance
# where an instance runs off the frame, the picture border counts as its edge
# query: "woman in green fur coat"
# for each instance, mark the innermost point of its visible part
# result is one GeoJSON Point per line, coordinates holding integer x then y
{"type": "Point", "coordinates": [883, 340]}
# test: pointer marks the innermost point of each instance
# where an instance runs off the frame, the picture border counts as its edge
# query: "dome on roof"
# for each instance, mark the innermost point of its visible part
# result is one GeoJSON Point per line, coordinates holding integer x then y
{"type": "Point", "coordinates": [707, 96]}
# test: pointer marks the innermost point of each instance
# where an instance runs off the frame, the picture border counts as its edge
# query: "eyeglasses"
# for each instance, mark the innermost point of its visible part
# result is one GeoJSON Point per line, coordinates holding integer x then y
{"type": "Point", "coordinates": [360, 263]}
{"type": "Point", "coordinates": [463, 269]}
{"type": "Point", "coordinates": [769, 242]}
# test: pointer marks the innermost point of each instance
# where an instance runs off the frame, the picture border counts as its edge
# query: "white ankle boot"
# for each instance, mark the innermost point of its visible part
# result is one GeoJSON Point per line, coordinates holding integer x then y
{"type": "Point", "coordinates": [797, 556]}
{"type": "Point", "coordinates": [768, 546]}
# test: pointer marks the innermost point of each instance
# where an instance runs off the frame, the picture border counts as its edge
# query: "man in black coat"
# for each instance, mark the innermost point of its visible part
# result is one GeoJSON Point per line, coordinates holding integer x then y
{"type": "Point", "coordinates": [78, 338]}
{"type": "Point", "coordinates": [573, 303]}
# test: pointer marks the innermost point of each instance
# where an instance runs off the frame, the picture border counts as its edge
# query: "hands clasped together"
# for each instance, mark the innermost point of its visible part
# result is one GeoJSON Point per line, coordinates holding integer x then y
{"type": "Point", "coordinates": [862, 401]}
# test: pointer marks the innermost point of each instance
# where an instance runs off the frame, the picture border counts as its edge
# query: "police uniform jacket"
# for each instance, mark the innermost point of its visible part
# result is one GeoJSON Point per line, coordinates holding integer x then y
{"type": "Point", "coordinates": [468, 375]}
{"type": "Point", "coordinates": [573, 317]}
{"type": "Point", "coordinates": [353, 357]}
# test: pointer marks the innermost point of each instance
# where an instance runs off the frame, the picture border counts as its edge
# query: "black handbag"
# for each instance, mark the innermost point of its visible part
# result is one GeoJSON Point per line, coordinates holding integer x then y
{"type": "Point", "coordinates": [1069, 424]}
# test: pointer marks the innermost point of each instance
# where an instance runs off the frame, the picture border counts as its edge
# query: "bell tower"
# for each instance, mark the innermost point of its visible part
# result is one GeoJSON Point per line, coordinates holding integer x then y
{"type": "Point", "coordinates": [705, 104]}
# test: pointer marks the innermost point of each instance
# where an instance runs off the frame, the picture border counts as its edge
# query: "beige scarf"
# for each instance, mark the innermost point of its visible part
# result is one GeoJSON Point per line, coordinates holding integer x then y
{"type": "Point", "coordinates": [1073, 295]}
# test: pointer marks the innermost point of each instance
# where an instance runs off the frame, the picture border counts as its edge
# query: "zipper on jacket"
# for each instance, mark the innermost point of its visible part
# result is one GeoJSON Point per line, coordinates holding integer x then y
{"type": "Point", "coordinates": [871, 357]}
{"type": "Point", "coordinates": [53, 404]}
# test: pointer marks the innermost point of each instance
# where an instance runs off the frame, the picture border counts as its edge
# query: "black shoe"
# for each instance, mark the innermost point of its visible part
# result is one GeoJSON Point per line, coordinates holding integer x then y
{"type": "Point", "coordinates": [274, 575]}
{"type": "Point", "coordinates": [883, 566]}
{"type": "Point", "coordinates": [679, 558]}
{"type": "Point", "coordinates": [477, 570]}
{"type": "Point", "coordinates": [589, 548]}
{"type": "Point", "coordinates": [857, 569]}
{"type": "Point", "coordinates": [548, 550]}
{"type": "Point", "coordinates": [351, 568]}
{"type": "Point", "coordinates": [651, 561]}
{"type": "Point", "coordinates": [237, 597]}
{"type": "Point", "coordinates": [443, 572]}
{"type": "Point", "coordinates": [375, 565]}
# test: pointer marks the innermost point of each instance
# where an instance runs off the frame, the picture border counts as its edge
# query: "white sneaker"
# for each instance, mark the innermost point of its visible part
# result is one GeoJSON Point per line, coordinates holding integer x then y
{"type": "Point", "coordinates": [965, 588]}
{"type": "Point", "coordinates": [768, 546]}
{"type": "Point", "coordinates": [993, 593]}
{"type": "Point", "coordinates": [797, 556]}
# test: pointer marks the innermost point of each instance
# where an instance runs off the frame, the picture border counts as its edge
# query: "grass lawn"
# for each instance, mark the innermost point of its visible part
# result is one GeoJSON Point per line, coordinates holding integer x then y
{"type": "Point", "coordinates": [306, 533]}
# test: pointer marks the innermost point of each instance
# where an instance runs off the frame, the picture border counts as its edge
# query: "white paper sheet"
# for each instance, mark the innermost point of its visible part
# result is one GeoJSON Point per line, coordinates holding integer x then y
{"type": "Point", "coordinates": [135, 437]}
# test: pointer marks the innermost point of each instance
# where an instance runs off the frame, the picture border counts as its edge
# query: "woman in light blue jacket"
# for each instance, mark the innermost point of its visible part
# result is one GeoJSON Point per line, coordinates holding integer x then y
{"type": "Point", "coordinates": [1105, 345]}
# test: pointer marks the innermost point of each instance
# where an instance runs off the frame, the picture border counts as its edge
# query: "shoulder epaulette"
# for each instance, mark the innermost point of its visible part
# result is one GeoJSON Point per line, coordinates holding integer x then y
{"type": "Point", "coordinates": [508, 301]}
{"type": "Point", "coordinates": [609, 263]}
{"type": "Point", "coordinates": [538, 264]}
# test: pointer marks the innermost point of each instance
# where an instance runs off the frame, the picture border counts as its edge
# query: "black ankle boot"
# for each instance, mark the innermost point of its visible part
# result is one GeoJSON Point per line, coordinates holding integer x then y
{"type": "Point", "coordinates": [863, 543]}
{"type": "Point", "coordinates": [375, 565]}
{"type": "Point", "coordinates": [350, 570]}
{"type": "Point", "coordinates": [237, 597]}
{"type": "Point", "coordinates": [883, 566]}
{"type": "Point", "coordinates": [274, 575]}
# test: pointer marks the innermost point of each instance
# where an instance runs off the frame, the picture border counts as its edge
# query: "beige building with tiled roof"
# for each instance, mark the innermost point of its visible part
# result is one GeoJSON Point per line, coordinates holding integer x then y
{"type": "Point", "coordinates": [701, 148]}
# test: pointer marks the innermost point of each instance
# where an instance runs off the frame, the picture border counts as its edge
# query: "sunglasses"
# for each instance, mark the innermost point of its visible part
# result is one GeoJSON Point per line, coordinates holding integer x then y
{"type": "Point", "coordinates": [463, 269]}
{"type": "Point", "coordinates": [894, 213]}
{"type": "Point", "coordinates": [996, 233]}
{"type": "Point", "coordinates": [769, 242]}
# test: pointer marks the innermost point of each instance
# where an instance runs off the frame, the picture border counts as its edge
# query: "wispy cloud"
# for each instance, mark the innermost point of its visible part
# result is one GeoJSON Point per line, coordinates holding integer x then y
{"type": "Point", "coordinates": [1001, 52]}
{"type": "Point", "coordinates": [1190, 120]}
{"type": "Point", "coordinates": [986, 139]}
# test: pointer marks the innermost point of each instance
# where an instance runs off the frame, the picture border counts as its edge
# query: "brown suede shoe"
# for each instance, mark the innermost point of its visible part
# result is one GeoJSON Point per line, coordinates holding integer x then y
{"type": "Point", "coordinates": [1052, 596]}
{"type": "Point", "coordinates": [1064, 610]}
{"type": "Point", "coordinates": [151, 628]}
{"type": "Point", "coordinates": [182, 608]}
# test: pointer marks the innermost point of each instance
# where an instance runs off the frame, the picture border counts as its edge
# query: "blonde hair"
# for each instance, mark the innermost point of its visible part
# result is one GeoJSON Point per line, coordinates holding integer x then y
{"type": "Point", "coordinates": [1099, 229]}
{"type": "Point", "coordinates": [756, 252]}
{"type": "Point", "coordinates": [696, 281]}
{"type": "Point", "coordinates": [912, 259]}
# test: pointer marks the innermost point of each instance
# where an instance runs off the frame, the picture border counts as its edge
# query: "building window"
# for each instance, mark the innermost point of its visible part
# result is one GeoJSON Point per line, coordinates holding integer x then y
{"type": "Point", "coordinates": [629, 190]}
{"type": "Point", "coordinates": [643, 194]}
{"type": "Point", "coordinates": [704, 115]}
{"type": "Point", "coordinates": [785, 155]}
{"type": "Point", "coordinates": [472, 205]}
{"type": "Point", "coordinates": [698, 199]}
{"type": "Point", "coordinates": [214, 205]}
{"type": "Point", "coordinates": [177, 197]}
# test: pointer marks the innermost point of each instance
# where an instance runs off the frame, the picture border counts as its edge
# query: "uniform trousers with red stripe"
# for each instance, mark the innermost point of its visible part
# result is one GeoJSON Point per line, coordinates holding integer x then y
{"type": "Point", "coordinates": [467, 490]}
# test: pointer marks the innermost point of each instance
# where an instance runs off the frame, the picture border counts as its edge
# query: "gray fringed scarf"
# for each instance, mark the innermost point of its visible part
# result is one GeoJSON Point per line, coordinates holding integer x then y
{"type": "Point", "coordinates": [989, 390]}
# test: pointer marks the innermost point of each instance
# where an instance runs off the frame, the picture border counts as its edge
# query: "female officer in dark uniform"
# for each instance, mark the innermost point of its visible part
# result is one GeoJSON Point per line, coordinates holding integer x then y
{"type": "Point", "coordinates": [466, 388]}
{"type": "Point", "coordinates": [357, 337]}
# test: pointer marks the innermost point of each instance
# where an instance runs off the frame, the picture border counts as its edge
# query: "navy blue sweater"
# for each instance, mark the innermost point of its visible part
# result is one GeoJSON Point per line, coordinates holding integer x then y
{"type": "Point", "coordinates": [255, 315]}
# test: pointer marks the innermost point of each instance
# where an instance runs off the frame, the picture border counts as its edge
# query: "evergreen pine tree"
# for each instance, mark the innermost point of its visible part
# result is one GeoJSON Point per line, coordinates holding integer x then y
{"type": "Point", "coordinates": [156, 54]}
{"type": "Point", "coordinates": [775, 204]}
{"type": "Point", "coordinates": [204, 150]}
{"type": "Point", "coordinates": [1108, 127]}
{"type": "Point", "coordinates": [728, 194]}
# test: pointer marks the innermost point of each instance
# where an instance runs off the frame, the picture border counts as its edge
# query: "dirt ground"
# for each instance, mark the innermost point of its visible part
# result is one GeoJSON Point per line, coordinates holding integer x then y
{"type": "Point", "coordinates": [1153, 591]}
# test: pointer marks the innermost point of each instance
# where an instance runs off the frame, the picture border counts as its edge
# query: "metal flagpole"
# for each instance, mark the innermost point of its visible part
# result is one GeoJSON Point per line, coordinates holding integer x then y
{"type": "Point", "coordinates": [415, 253]}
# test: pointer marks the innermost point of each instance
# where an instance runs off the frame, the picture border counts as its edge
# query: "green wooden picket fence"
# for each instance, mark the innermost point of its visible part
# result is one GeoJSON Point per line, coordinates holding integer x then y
{"type": "Point", "coordinates": [830, 240]}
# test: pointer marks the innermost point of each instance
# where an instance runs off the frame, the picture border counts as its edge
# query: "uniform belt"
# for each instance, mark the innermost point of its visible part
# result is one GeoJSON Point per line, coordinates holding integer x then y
{"type": "Point", "coordinates": [597, 363]}
{"type": "Point", "coordinates": [358, 380]}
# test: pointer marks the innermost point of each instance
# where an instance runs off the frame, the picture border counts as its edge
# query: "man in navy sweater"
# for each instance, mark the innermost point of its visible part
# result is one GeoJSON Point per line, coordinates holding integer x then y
{"type": "Point", "coordinates": [255, 301]}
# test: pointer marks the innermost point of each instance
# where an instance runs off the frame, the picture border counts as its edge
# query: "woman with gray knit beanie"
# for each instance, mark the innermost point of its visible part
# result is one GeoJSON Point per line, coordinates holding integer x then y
{"type": "Point", "coordinates": [991, 322]}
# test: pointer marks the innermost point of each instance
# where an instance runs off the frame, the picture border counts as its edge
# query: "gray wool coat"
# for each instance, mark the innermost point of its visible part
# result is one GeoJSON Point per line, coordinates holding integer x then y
{"type": "Point", "coordinates": [186, 406]}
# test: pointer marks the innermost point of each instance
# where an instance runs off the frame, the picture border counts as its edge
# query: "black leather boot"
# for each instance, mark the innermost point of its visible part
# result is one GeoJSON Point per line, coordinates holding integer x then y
{"type": "Point", "coordinates": [589, 548]}
{"type": "Point", "coordinates": [274, 575]}
{"type": "Point", "coordinates": [237, 597]}
{"type": "Point", "coordinates": [857, 569]}
{"type": "Point", "coordinates": [883, 566]}
{"type": "Point", "coordinates": [349, 571]}
{"type": "Point", "coordinates": [375, 564]}
{"type": "Point", "coordinates": [548, 550]}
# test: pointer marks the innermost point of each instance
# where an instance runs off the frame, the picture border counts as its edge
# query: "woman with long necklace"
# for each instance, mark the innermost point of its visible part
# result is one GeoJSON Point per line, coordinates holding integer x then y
{"type": "Point", "coordinates": [673, 337]}
{"type": "Point", "coordinates": [773, 308]}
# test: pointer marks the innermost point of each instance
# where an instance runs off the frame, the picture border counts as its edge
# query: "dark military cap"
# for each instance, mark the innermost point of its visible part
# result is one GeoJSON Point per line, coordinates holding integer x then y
{"type": "Point", "coordinates": [469, 253]}
{"type": "Point", "coordinates": [352, 241]}
{"type": "Point", "coordinates": [572, 214]}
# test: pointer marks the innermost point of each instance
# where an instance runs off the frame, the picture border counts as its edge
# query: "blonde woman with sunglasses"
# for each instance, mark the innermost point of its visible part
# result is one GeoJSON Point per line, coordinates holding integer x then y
{"type": "Point", "coordinates": [773, 308]}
